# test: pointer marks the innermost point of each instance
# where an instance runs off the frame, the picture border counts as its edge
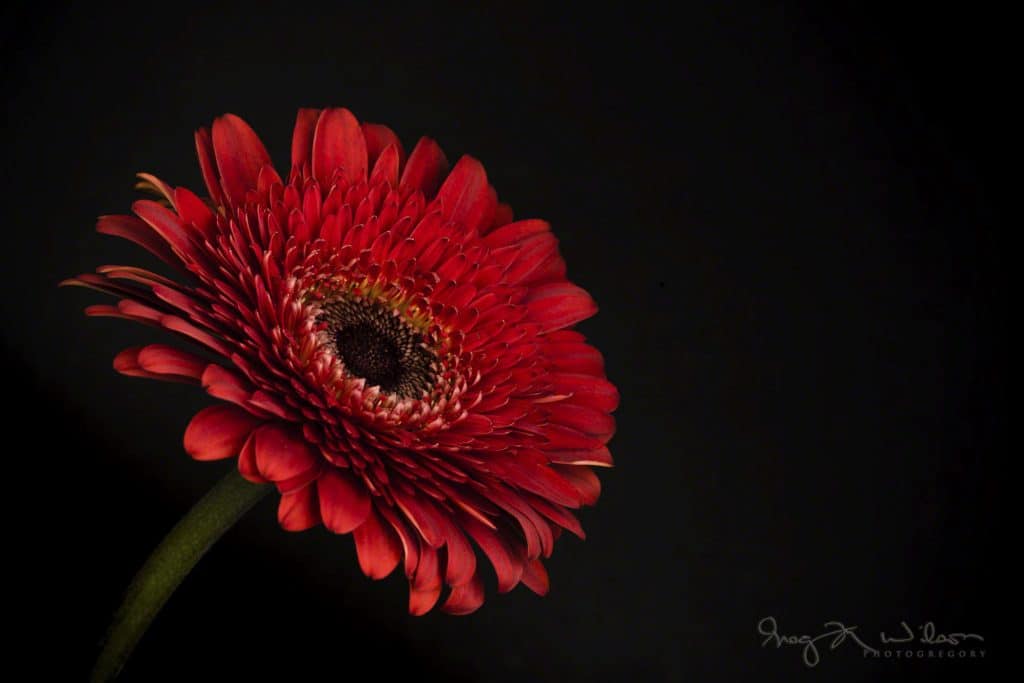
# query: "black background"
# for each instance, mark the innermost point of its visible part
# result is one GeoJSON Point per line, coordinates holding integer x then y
{"type": "Point", "coordinates": [788, 216]}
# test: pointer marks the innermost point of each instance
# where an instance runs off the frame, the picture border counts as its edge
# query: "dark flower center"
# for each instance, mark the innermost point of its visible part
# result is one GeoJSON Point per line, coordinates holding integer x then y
{"type": "Point", "coordinates": [378, 345]}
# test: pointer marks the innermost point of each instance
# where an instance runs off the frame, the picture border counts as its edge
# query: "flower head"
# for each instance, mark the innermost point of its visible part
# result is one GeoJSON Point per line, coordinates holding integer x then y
{"type": "Point", "coordinates": [390, 349]}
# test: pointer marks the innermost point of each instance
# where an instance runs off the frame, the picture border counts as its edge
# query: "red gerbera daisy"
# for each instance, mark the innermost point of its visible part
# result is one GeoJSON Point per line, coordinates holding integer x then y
{"type": "Point", "coordinates": [393, 352]}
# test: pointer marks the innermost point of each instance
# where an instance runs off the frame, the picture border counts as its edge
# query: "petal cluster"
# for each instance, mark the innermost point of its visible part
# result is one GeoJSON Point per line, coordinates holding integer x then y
{"type": "Point", "coordinates": [491, 448]}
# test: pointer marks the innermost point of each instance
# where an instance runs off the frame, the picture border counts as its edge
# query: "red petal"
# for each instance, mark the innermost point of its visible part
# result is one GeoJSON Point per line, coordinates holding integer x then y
{"type": "Point", "coordinates": [597, 457]}
{"type": "Point", "coordinates": [557, 514]}
{"type": "Point", "coordinates": [193, 211]}
{"type": "Point", "coordinates": [166, 224]}
{"type": "Point", "coordinates": [204, 150]}
{"type": "Point", "coordinates": [502, 216]}
{"type": "Point", "coordinates": [425, 167]}
{"type": "Point", "coordinates": [574, 357]}
{"type": "Point", "coordinates": [514, 233]}
{"type": "Point", "coordinates": [506, 558]}
{"type": "Point", "coordinates": [302, 138]}
{"type": "Point", "coordinates": [461, 566]}
{"type": "Point", "coordinates": [410, 546]}
{"type": "Point", "coordinates": [223, 384]}
{"type": "Point", "coordinates": [583, 480]}
{"type": "Point", "coordinates": [134, 230]}
{"type": "Point", "coordinates": [282, 454]}
{"type": "Point", "coordinates": [377, 547]}
{"type": "Point", "coordinates": [344, 502]}
{"type": "Point", "coordinates": [240, 155]}
{"type": "Point", "coordinates": [465, 599]}
{"type": "Point", "coordinates": [247, 462]}
{"type": "Point", "coordinates": [594, 392]}
{"type": "Point", "coordinates": [166, 360]}
{"type": "Point", "coordinates": [187, 329]}
{"type": "Point", "coordinates": [535, 577]}
{"type": "Point", "coordinates": [378, 138]}
{"type": "Point", "coordinates": [386, 168]}
{"type": "Point", "coordinates": [299, 510]}
{"type": "Point", "coordinates": [421, 602]}
{"type": "Point", "coordinates": [127, 363]}
{"type": "Point", "coordinates": [466, 197]}
{"type": "Point", "coordinates": [422, 515]}
{"type": "Point", "coordinates": [428, 571]}
{"type": "Point", "coordinates": [218, 432]}
{"type": "Point", "coordinates": [338, 143]}
{"type": "Point", "coordinates": [587, 420]}
{"type": "Point", "coordinates": [559, 305]}
{"type": "Point", "coordinates": [537, 478]}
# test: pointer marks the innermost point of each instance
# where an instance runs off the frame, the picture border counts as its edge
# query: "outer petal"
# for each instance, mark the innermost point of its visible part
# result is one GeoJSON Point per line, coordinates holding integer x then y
{"type": "Point", "coordinates": [240, 155]}
{"type": "Point", "coordinates": [559, 305]}
{"type": "Point", "coordinates": [167, 360]}
{"type": "Point", "coordinates": [584, 480]}
{"type": "Point", "coordinates": [379, 138]}
{"type": "Point", "coordinates": [247, 462]}
{"type": "Point", "coordinates": [281, 454]}
{"type": "Point", "coordinates": [218, 432]}
{"type": "Point", "coordinates": [466, 196]}
{"type": "Point", "coordinates": [338, 143]}
{"type": "Point", "coordinates": [133, 229]}
{"type": "Point", "coordinates": [299, 510]}
{"type": "Point", "coordinates": [302, 138]}
{"type": "Point", "coordinates": [535, 577]}
{"type": "Point", "coordinates": [425, 167]}
{"type": "Point", "coordinates": [507, 559]}
{"type": "Point", "coordinates": [465, 599]}
{"type": "Point", "coordinates": [344, 502]}
{"type": "Point", "coordinates": [377, 546]}
{"type": "Point", "coordinates": [208, 165]}
{"type": "Point", "coordinates": [421, 602]}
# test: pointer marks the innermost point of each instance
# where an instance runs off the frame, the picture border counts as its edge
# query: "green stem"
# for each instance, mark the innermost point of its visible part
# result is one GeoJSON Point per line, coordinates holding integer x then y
{"type": "Point", "coordinates": [172, 560]}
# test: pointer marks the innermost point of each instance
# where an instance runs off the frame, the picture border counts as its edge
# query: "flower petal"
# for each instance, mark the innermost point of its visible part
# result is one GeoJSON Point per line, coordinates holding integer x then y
{"type": "Point", "coordinates": [421, 602]}
{"type": "Point", "coordinates": [557, 305]}
{"type": "Point", "coordinates": [466, 197]}
{"type": "Point", "coordinates": [461, 559]}
{"type": "Point", "coordinates": [167, 360]}
{"type": "Point", "coordinates": [247, 461]}
{"type": "Point", "coordinates": [338, 143]}
{"type": "Point", "coordinates": [410, 546]}
{"type": "Point", "coordinates": [218, 432]}
{"type": "Point", "coordinates": [282, 454]}
{"type": "Point", "coordinates": [465, 599]}
{"type": "Point", "coordinates": [240, 155]}
{"type": "Point", "coordinates": [425, 167]}
{"type": "Point", "coordinates": [167, 225]}
{"type": "Point", "coordinates": [224, 384]}
{"type": "Point", "coordinates": [194, 211]}
{"type": "Point", "coordinates": [584, 419]}
{"type": "Point", "coordinates": [535, 577]}
{"type": "Point", "coordinates": [584, 480]}
{"type": "Point", "coordinates": [422, 515]}
{"type": "Point", "coordinates": [208, 165]}
{"type": "Point", "coordinates": [505, 556]}
{"type": "Point", "coordinates": [385, 170]}
{"type": "Point", "coordinates": [302, 138]}
{"type": "Point", "coordinates": [377, 546]}
{"type": "Point", "coordinates": [299, 510]}
{"type": "Point", "coordinates": [595, 392]}
{"type": "Point", "coordinates": [134, 230]}
{"type": "Point", "coordinates": [344, 502]}
{"type": "Point", "coordinates": [515, 233]}
{"type": "Point", "coordinates": [379, 138]}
